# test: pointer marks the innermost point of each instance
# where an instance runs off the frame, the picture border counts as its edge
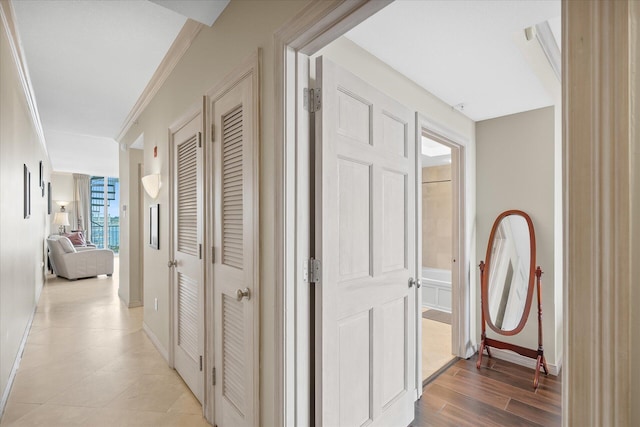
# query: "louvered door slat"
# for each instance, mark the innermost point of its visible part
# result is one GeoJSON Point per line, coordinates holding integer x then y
{"type": "Point", "coordinates": [188, 315]}
{"type": "Point", "coordinates": [232, 190]}
{"type": "Point", "coordinates": [233, 352]}
{"type": "Point", "coordinates": [187, 220]}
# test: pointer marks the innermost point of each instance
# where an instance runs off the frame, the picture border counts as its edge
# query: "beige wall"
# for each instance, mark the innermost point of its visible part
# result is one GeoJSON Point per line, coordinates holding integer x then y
{"type": "Point", "coordinates": [242, 28]}
{"type": "Point", "coordinates": [437, 213]}
{"type": "Point", "coordinates": [22, 241]}
{"type": "Point", "coordinates": [515, 170]}
{"type": "Point", "coordinates": [130, 256]}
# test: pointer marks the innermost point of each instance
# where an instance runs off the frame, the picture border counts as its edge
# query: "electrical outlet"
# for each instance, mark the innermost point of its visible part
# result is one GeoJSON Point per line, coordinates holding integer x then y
{"type": "Point", "coordinates": [155, 304]}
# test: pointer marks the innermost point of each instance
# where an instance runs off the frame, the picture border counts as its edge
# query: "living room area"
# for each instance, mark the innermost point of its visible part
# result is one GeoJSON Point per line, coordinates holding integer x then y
{"type": "Point", "coordinates": [85, 225]}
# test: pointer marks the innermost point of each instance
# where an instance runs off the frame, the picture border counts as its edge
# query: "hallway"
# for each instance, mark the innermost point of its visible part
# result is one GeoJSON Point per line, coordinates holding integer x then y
{"type": "Point", "coordinates": [88, 362]}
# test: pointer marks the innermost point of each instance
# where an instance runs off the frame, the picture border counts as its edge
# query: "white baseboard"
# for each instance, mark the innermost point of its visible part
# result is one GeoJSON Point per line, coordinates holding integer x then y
{"type": "Point", "coordinates": [156, 342]}
{"type": "Point", "coordinates": [134, 304]}
{"type": "Point", "coordinates": [16, 363]}
{"type": "Point", "coordinates": [518, 359]}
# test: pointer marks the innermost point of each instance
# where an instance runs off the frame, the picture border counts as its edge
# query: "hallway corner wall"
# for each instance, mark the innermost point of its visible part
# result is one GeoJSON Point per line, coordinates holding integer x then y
{"type": "Point", "coordinates": [22, 240]}
{"type": "Point", "coordinates": [130, 285]}
{"type": "Point", "coordinates": [515, 170]}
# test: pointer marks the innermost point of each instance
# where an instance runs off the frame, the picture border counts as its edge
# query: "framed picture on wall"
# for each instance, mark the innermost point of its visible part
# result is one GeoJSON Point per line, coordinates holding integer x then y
{"type": "Point", "coordinates": [154, 217]}
{"type": "Point", "coordinates": [27, 191]}
{"type": "Point", "coordinates": [41, 181]}
{"type": "Point", "coordinates": [49, 198]}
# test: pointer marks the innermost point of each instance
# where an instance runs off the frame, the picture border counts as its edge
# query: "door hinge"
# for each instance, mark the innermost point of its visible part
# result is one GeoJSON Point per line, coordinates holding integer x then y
{"type": "Point", "coordinates": [213, 134]}
{"type": "Point", "coordinates": [200, 363]}
{"type": "Point", "coordinates": [213, 376]}
{"type": "Point", "coordinates": [199, 250]}
{"type": "Point", "coordinates": [312, 99]}
{"type": "Point", "coordinates": [213, 254]}
{"type": "Point", "coordinates": [312, 270]}
{"type": "Point", "coordinates": [200, 139]}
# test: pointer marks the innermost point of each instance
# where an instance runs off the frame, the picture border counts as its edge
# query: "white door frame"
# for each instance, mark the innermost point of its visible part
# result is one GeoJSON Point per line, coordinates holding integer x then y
{"type": "Point", "coordinates": [313, 28]}
{"type": "Point", "coordinates": [462, 293]}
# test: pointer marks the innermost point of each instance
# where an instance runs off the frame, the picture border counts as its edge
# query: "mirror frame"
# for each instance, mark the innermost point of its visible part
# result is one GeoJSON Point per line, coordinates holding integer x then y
{"type": "Point", "coordinates": [532, 273]}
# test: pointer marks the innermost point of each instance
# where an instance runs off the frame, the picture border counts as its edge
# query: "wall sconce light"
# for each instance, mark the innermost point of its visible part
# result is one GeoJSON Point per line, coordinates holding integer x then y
{"type": "Point", "coordinates": [152, 184]}
{"type": "Point", "coordinates": [62, 204]}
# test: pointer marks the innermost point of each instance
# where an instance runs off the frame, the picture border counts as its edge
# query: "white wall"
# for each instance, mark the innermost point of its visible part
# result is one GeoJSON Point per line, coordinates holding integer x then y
{"type": "Point", "coordinates": [243, 27]}
{"type": "Point", "coordinates": [61, 190]}
{"type": "Point", "coordinates": [22, 241]}
{"type": "Point", "coordinates": [515, 170]}
{"type": "Point", "coordinates": [444, 119]}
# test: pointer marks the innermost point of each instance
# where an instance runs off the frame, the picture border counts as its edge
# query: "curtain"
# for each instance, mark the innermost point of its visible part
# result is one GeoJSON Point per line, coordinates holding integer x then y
{"type": "Point", "coordinates": [82, 204]}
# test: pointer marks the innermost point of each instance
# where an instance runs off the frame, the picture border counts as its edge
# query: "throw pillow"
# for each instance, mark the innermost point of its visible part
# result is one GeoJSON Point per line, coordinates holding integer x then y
{"type": "Point", "coordinates": [77, 238]}
{"type": "Point", "coordinates": [66, 245]}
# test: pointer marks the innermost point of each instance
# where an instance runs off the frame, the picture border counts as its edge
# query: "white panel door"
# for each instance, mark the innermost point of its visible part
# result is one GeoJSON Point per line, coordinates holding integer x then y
{"type": "Point", "coordinates": [233, 116]}
{"type": "Point", "coordinates": [366, 242]}
{"type": "Point", "coordinates": [188, 280]}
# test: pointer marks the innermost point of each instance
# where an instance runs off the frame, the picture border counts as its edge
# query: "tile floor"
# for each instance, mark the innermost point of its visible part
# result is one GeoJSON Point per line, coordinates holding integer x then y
{"type": "Point", "coordinates": [87, 362]}
{"type": "Point", "coordinates": [436, 346]}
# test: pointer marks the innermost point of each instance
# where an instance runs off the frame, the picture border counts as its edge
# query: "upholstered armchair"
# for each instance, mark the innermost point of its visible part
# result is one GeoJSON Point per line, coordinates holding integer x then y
{"type": "Point", "coordinates": [72, 264]}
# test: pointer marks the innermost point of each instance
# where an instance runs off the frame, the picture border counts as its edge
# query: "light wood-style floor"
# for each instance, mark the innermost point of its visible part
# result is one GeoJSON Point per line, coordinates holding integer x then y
{"type": "Point", "coordinates": [498, 394]}
{"type": "Point", "coordinates": [87, 362]}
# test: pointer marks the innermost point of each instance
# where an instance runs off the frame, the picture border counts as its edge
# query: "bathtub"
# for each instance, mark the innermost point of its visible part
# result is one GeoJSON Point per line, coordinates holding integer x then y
{"type": "Point", "coordinates": [436, 289]}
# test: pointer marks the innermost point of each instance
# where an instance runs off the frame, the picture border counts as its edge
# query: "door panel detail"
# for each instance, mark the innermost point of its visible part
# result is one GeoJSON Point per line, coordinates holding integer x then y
{"type": "Point", "coordinates": [354, 183]}
{"type": "Point", "coordinates": [394, 220]}
{"type": "Point", "coordinates": [366, 221]}
{"type": "Point", "coordinates": [394, 135]}
{"type": "Point", "coordinates": [354, 118]}
{"type": "Point", "coordinates": [394, 335]}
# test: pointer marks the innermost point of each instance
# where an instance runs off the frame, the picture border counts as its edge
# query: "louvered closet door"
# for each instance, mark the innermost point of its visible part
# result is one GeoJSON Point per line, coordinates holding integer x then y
{"type": "Point", "coordinates": [234, 262]}
{"type": "Point", "coordinates": [188, 292]}
{"type": "Point", "coordinates": [366, 221]}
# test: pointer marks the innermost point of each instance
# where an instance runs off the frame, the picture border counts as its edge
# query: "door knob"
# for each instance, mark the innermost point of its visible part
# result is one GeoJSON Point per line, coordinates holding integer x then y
{"type": "Point", "coordinates": [243, 293]}
{"type": "Point", "coordinates": [412, 282]}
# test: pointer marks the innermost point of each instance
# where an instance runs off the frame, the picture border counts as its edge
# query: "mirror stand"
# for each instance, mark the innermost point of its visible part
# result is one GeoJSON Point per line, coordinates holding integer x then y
{"type": "Point", "coordinates": [486, 343]}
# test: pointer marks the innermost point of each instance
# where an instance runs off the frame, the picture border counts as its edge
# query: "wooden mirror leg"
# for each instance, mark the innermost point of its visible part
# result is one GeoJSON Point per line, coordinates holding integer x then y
{"type": "Point", "coordinates": [480, 351]}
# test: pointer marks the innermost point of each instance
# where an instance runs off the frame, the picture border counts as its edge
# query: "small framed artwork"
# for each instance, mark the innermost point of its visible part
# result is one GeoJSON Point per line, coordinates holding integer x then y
{"type": "Point", "coordinates": [27, 191]}
{"type": "Point", "coordinates": [49, 198]}
{"type": "Point", "coordinates": [41, 182]}
{"type": "Point", "coordinates": [154, 224]}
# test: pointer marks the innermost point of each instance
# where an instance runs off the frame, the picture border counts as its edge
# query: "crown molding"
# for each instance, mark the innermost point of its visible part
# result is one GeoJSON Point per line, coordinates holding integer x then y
{"type": "Point", "coordinates": [185, 37]}
{"type": "Point", "coordinates": [8, 18]}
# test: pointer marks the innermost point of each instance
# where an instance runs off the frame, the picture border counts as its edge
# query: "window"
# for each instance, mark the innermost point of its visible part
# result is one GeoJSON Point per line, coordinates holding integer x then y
{"type": "Point", "coordinates": [105, 217]}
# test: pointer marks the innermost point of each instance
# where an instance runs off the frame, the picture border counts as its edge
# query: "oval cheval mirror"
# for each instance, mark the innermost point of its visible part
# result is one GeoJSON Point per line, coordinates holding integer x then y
{"type": "Point", "coordinates": [507, 282]}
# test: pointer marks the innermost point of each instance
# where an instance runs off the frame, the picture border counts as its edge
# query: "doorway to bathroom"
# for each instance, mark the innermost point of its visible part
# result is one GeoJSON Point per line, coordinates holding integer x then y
{"type": "Point", "coordinates": [440, 192]}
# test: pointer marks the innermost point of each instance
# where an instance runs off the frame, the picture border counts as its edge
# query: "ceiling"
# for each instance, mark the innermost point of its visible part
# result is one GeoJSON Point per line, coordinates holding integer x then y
{"type": "Point", "coordinates": [90, 60]}
{"type": "Point", "coordinates": [463, 51]}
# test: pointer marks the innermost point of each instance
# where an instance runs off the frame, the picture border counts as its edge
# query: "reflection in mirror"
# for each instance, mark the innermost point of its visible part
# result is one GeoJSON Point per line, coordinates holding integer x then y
{"type": "Point", "coordinates": [509, 272]}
